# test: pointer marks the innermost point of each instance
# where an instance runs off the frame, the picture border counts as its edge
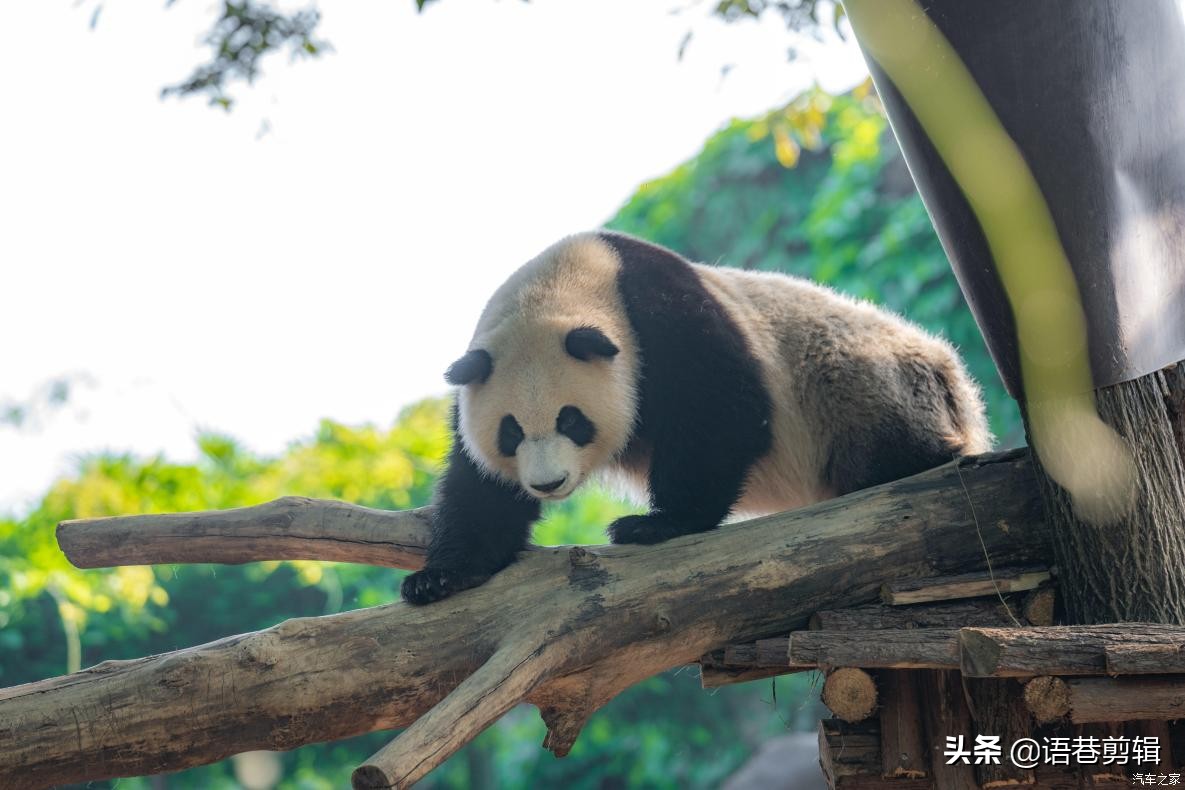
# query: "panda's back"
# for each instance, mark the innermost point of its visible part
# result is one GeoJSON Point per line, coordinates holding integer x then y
{"type": "Point", "coordinates": [849, 381]}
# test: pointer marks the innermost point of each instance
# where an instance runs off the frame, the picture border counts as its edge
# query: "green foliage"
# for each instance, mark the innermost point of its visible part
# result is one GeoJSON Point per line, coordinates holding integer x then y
{"type": "Point", "coordinates": [819, 189]}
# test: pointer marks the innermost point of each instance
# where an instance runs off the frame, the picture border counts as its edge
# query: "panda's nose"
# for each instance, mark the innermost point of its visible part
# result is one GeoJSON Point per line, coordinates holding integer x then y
{"type": "Point", "coordinates": [547, 488]}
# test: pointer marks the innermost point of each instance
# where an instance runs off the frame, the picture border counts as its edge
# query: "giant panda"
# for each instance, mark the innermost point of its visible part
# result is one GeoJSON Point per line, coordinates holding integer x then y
{"type": "Point", "coordinates": [708, 391]}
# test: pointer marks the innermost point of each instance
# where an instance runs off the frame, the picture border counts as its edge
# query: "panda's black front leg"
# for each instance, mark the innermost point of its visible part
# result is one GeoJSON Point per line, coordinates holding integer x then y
{"type": "Point", "coordinates": [692, 489]}
{"type": "Point", "coordinates": [479, 525]}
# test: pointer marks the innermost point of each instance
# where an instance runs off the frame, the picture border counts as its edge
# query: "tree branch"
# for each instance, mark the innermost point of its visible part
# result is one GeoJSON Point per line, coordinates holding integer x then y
{"type": "Point", "coordinates": [290, 528]}
{"type": "Point", "coordinates": [564, 628]}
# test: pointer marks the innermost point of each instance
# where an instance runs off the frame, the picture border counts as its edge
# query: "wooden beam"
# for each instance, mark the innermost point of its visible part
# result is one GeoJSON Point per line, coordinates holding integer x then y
{"type": "Point", "coordinates": [1064, 650]}
{"type": "Point", "coordinates": [965, 585]}
{"type": "Point", "coordinates": [1126, 699]}
{"type": "Point", "coordinates": [907, 648]}
{"type": "Point", "coordinates": [1085, 700]}
{"type": "Point", "coordinates": [986, 611]}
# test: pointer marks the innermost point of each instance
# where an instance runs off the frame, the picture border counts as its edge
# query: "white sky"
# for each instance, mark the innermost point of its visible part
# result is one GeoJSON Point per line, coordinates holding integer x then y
{"type": "Point", "coordinates": [202, 276]}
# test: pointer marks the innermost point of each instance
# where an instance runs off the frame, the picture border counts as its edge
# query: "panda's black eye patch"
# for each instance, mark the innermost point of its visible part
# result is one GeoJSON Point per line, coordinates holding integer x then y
{"type": "Point", "coordinates": [572, 423]}
{"type": "Point", "coordinates": [510, 435]}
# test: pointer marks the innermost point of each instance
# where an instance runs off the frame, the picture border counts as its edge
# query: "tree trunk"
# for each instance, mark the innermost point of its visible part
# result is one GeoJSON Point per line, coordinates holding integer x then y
{"type": "Point", "coordinates": [564, 628]}
{"type": "Point", "coordinates": [1132, 570]}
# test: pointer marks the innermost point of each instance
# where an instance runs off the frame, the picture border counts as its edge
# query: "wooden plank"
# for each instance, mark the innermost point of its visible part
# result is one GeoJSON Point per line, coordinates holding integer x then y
{"type": "Point", "coordinates": [716, 670]}
{"type": "Point", "coordinates": [966, 585]}
{"type": "Point", "coordinates": [1062, 650]}
{"type": "Point", "coordinates": [987, 611]}
{"type": "Point", "coordinates": [712, 677]}
{"type": "Point", "coordinates": [849, 755]}
{"type": "Point", "coordinates": [903, 742]}
{"type": "Point", "coordinates": [913, 648]}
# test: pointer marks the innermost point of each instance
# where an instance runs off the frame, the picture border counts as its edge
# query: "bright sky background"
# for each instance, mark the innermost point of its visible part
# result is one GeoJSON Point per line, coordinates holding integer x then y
{"type": "Point", "coordinates": [196, 274]}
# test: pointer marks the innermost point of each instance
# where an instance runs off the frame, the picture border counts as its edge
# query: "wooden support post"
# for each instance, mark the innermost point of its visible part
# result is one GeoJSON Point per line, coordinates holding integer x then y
{"type": "Point", "coordinates": [945, 714]}
{"type": "Point", "coordinates": [903, 741]}
{"type": "Point", "coordinates": [999, 709]}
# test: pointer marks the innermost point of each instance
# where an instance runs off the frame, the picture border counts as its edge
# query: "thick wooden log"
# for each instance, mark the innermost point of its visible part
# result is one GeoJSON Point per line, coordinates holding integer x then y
{"type": "Point", "coordinates": [966, 585]}
{"type": "Point", "coordinates": [903, 741]}
{"type": "Point", "coordinates": [1087, 700]}
{"type": "Point", "coordinates": [914, 648]}
{"type": "Point", "coordinates": [1145, 659]}
{"type": "Point", "coordinates": [290, 528]}
{"type": "Point", "coordinates": [999, 709]}
{"type": "Point", "coordinates": [1060, 650]}
{"type": "Point", "coordinates": [986, 611]}
{"type": "Point", "coordinates": [1126, 699]}
{"type": "Point", "coordinates": [582, 638]}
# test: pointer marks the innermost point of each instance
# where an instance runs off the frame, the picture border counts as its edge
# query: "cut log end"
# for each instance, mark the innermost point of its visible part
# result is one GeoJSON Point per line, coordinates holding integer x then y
{"type": "Point", "coordinates": [1038, 606]}
{"type": "Point", "coordinates": [850, 693]}
{"type": "Point", "coordinates": [1048, 699]}
{"type": "Point", "coordinates": [369, 777]}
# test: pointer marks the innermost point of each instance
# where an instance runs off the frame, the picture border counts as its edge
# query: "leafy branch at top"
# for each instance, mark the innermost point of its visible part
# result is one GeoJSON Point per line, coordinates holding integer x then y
{"type": "Point", "coordinates": [244, 33]}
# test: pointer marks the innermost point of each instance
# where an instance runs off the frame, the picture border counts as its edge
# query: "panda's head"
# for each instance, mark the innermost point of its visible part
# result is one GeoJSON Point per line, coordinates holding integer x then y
{"type": "Point", "coordinates": [544, 404]}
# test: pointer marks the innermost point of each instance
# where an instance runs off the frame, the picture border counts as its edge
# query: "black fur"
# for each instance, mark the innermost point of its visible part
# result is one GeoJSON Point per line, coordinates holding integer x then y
{"type": "Point", "coordinates": [572, 423]}
{"type": "Point", "coordinates": [587, 342]}
{"type": "Point", "coordinates": [475, 366]}
{"type": "Point", "coordinates": [510, 436]}
{"type": "Point", "coordinates": [479, 524]}
{"type": "Point", "coordinates": [896, 444]}
{"type": "Point", "coordinates": [704, 411]}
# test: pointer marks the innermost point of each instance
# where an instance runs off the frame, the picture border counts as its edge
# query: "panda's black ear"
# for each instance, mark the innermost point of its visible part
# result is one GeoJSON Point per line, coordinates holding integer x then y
{"type": "Point", "coordinates": [588, 342]}
{"type": "Point", "coordinates": [476, 365]}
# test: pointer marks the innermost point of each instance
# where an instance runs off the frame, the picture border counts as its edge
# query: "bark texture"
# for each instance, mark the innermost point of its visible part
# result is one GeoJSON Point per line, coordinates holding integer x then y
{"type": "Point", "coordinates": [1132, 570]}
{"type": "Point", "coordinates": [564, 628]}
{"type": "Point", "coordinates": [290, 528]}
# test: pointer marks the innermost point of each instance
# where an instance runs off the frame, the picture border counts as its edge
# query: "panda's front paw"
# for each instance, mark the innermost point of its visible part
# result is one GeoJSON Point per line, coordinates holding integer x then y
{"type": "Point", "coordinates": [652, 528]}
{"type": "Point", "coordinates": [432, 584]}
